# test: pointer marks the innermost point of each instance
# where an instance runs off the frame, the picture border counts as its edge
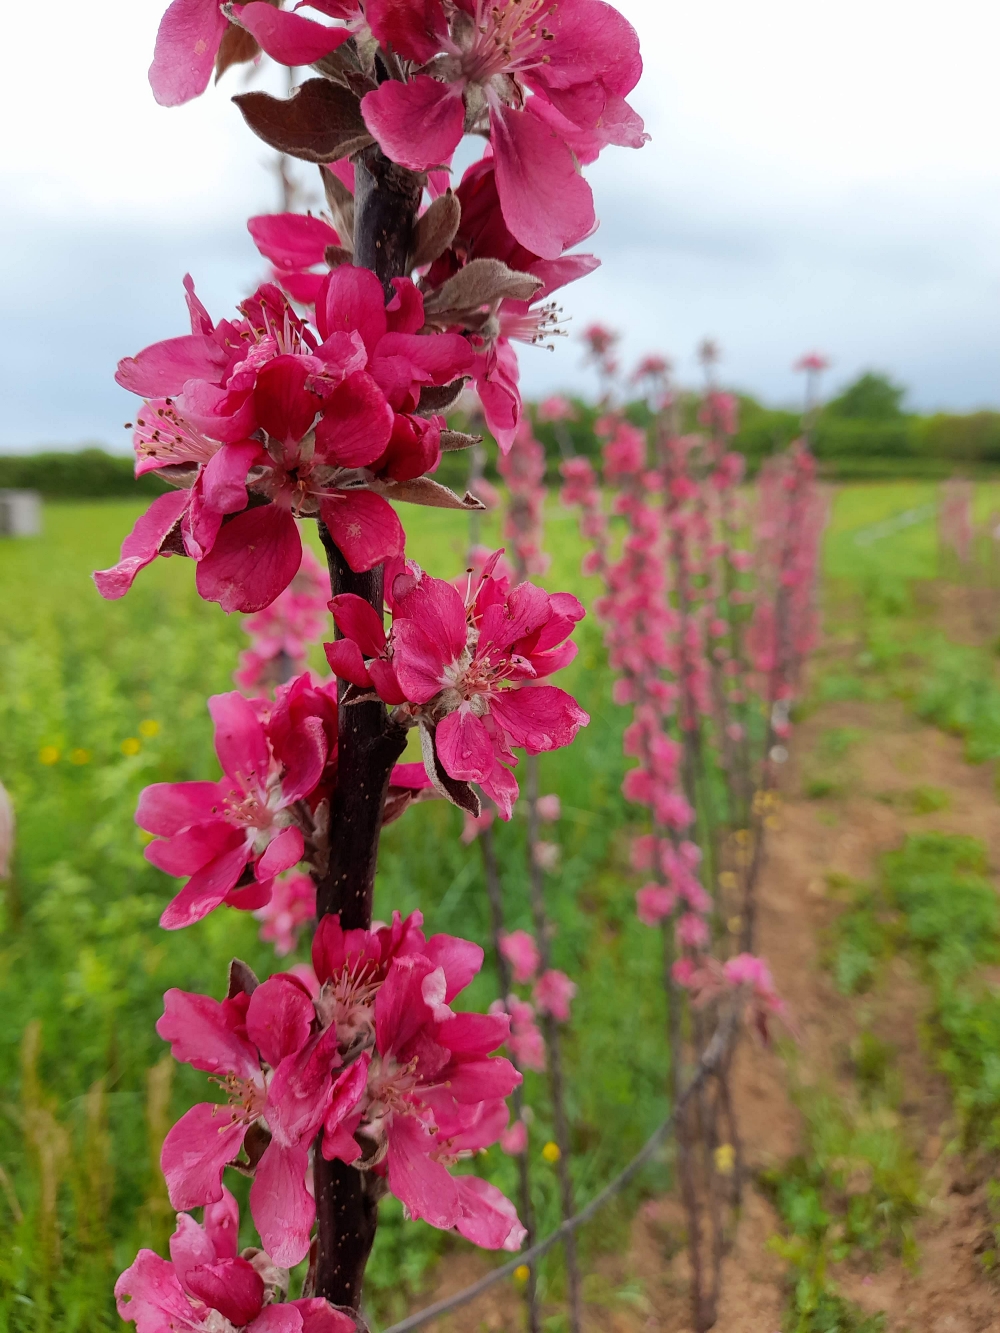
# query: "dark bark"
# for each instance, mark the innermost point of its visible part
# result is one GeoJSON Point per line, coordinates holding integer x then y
{"type": "Point", "coordinates": [369, 745]}
{"type": "Point", "coordinates": [386, 201]}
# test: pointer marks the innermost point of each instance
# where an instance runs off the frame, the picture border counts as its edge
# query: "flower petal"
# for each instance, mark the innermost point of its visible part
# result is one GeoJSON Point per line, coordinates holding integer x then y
{"type": "Point", "coordinates": [488, 1218]}
{"type": "Point", "coordinates": [206, 889]}
{"type": "Point", "coordinates": [279, 1018]}
{"type": "Point", "coordinates": [283, 851]}
{"type": "Point", "coordinates": [166, 808]}
{"type": "Point", "coordinates": [162, 369]}
{"type": "Point", "coordinates": [231, 1286]}
{"type": "Point", "coordinates": [546, 203]}
{"type": "Point", "coordinates": [255, 557]}
{"type": "Point", "coordinates": [292, 241]}
{"type": "Point", "coordinates": [187, 42]}
{"type": "Point", "coordinates": [464, 746]}
{"type": "Point", "coordinates": [356, 423]}
{"type": "Point", "coordinates": [201, 1033]}
{"type": "Point", "coordinates": [423, 1184]}
{"type": "Point", "coordinates": [195, 1153]}
{"type": "Point", "coordinates": [365, 528]}
{"type": "Point", "coordinates": [283, 1209]}
{"type": "Point", "coordinates": [141, 547]}
{"type": "Point", "coordinates": [418, 124]}
{"type": "Point", "coordinates": [289, 38]}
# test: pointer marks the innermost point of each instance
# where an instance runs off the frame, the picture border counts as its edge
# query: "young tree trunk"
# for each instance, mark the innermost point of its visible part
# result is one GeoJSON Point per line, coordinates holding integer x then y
{"type": "Point", "coordinates": [386, 199]}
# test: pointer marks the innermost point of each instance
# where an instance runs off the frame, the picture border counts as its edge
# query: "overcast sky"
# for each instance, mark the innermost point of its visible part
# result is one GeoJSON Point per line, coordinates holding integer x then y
{"type": "Point", "coordinates": [820, 176]}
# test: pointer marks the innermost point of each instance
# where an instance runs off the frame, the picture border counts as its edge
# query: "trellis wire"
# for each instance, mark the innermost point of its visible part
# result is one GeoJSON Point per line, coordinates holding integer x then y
{"type": "Point", "coordinates": [709, 1062]}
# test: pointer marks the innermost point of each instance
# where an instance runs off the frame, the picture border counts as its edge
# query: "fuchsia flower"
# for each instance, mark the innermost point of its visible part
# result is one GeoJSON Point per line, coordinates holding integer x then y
{"type": "Point", "coordinates": [654, 902]}
{"type": "Point", "coordinates": [553, 992]}
{"type": "Point", "coordinates": [455, 667]}
{"type": "Point", "coordinates": [292, 906]}
{"type": "Point", "coordinates": [525, 1042]}
{"type": "Point", "coordinates": [191, 33]}
{"type": "Point", "coordinates": [579, 57]}
{"type": "Point", "coordinates": [308, 424]}
{"type": "Point", "coordinates": [484, 234]}
{"type": "Point", "coordinates": [521, 951]}
{"type": "Point", "coordinates": [375, 1057]}
{"type": "Point", "coordinates": [276, 1072]}
{"type": "Point", "coordinates": [556, 408]}
{"type": "Point", "coordinates": [243, 828]}
{"type": "Point", "coordinates": [434, 1095]}
{"type": "Point", "coordinates": [207, 1287]}
{"type": "Point", "coordinates": [548, 807]}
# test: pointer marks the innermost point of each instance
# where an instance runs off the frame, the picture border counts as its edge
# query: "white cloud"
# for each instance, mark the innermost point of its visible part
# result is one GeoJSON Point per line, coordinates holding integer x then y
{"type": "Point", "coordinates": [819, 175]}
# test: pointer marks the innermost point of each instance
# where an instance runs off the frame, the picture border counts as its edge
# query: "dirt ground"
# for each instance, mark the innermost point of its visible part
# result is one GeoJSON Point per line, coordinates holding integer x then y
{"type": "Point", "coordinates": [890, 755]}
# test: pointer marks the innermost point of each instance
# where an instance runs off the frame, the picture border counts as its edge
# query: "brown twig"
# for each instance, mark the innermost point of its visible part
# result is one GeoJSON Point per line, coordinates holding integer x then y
{"type": "Point", "coordinates": [386, 201]}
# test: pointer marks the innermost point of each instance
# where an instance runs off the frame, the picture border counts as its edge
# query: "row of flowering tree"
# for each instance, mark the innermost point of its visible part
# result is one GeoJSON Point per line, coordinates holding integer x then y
{"type": "Point", "coordinates": [708, 607]}
{"type": "Point", "coordinates": [322, 399]}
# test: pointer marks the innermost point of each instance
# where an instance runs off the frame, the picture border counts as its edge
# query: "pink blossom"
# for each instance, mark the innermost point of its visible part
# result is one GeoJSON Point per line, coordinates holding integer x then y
{"type": "Point", "coordinates": [521, 951]}
{"type": "Point", "coordinates": [234, 836]}
{"type": "Point", "coordinates": [525, 1042]}
{"type": "Point", "coordinates": [433, 1094]}
{"type": "Point", "coordinates": [553, 992]}
{"type": "Point", "coordinates": [316, 424]}
{"type": "Point", "coordinates": [191, 33]}
{"type": "Point", "coordinates": [514, 1140]}
{"type": "Point", "coordinates": [483, 234]}
{"type": "Point", "coordinates": [556, 408]}
{"type": "Point", "coordinates": [812, 361]}
{"type": "Point", "coordinates": [548, 808]}
{"type": "Point", "coordinates": [653, 903]}
{"type": "Point", "coordinates": [207, 1287]}
{"type": "Point", "coordinates": [461, 666]}
{"type": "Point", "coordinates": [580, 59]}
{"type": "Point", "coordinates": [692, 931]}
{"type": "Point", "coordinates": [292, 906]}
{"type": "Point", "coordinates": [263, 1050]}
{"type": "Point", "coordinates": [546, 855]}
{"type": "Point", "coordinates": [476, 824]}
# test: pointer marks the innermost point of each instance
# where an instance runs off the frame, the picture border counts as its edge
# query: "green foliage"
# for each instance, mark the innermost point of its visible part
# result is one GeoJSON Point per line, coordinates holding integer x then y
{"type": "Point", "coordinates": [871, 397]}
{"type": "Point", "coordinates": [77, 475]}
{"type": "Point", "coordinates": [951, 916]}
{"type": "Point", "coordinates": [852, 1195]}
{"type": "Point", "coordinates": [861, 939]}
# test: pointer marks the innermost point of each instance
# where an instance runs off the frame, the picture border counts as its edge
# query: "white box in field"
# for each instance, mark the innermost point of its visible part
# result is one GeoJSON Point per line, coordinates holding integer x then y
{"type": "Point", "coordinates": [20, 513]}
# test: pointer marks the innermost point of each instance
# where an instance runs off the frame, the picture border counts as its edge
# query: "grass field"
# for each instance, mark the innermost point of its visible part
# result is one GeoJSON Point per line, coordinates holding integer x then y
{"type": "Point", "coordinates": [97, 700]}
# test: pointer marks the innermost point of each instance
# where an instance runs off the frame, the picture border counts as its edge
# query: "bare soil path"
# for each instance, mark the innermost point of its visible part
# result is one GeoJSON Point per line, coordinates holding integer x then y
{"type": "Point", "coordinates": [885, 757]}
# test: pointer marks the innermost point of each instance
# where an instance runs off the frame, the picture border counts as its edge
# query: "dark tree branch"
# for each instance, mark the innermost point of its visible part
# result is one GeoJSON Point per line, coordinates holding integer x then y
{"type": "Point", "coordinates": [385, 204]}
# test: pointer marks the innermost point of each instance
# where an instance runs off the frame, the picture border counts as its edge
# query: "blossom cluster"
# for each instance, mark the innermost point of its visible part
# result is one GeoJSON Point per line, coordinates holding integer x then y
{"type": "Point", "coordinates": [675, 611]}
{"type": "Point", "coordinates": [206, 1286]}
{"type": "Point", "coordinates": [464, 669]}
{"type": "Point", "coordinates": [367, 1052]}
{"type": "Point", "coordinates": [545, 83]}
{"type": "Point", "coordinates": [324, 397]}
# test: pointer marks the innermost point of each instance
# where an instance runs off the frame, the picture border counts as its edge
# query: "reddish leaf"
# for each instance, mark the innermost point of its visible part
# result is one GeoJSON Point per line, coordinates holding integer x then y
{"type": "Point", "coordinates": [320, 122]}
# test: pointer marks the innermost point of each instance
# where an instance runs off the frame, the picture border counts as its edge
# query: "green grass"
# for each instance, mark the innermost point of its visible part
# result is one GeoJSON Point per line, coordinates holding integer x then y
{"type": "Point", "coordinates": [83, 681]}
{"type": "Point", "coordinates": [82, 958]}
